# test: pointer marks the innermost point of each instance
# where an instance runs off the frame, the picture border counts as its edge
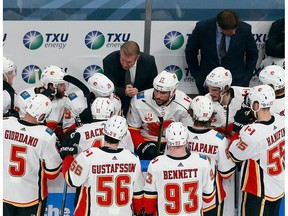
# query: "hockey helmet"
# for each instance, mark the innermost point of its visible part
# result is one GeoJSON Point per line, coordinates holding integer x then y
{"type": "Point", "coordinates": [116, 127]}
{"type": "Point", "coordinates": [39, 107]}
{"type": "Point", "coordinates": [263, 94]}
{"type": "Point", "coordinates": [52, 74]}
{"type": "Point", "coordinates": [100, 85]}
{"type": "Point", "coordinates": [166, 81]}
{"type": "Point", "coordinates": [219, 77]}
{"type": "Point", "coordinates": [102, 108]}
{"type": "Point", "coordinates": [176, 134]}
{"type": "Point", "coordinates": [202, 108]}
{"type": "Point", "coordinates": [274, 75]}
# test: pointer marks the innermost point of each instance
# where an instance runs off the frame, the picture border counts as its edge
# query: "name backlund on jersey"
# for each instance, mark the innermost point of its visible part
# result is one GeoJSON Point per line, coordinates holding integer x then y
{"type": "Point", "coordinates": [94, 133]}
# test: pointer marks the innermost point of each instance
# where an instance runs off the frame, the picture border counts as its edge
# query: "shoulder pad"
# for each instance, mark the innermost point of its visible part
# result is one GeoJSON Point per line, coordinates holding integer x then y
{"type": "Point", "coordinates": [140, 95]}
{"type": "Point", "coordinates": [203, 157]}
{"type": "Point", "coordinates": [248, 129]}
{"type": "Point", "coordinates": [25, 95]}
{"type": "Point", "coordinates": [220, 136]}
{"type": "Point", "coordinates": [49, 131]}
{"type": "Point", "coordinates": [72, 96]}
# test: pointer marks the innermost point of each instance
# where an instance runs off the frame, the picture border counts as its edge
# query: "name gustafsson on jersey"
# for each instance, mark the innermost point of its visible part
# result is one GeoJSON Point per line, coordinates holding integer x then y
{"type": "Point", "coordinates": [20, 137]}
{"type": "Point", "coordinates": [112, 168]}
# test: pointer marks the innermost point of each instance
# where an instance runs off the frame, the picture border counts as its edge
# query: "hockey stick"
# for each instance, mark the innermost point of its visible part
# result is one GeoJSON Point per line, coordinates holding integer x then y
{"type": "Point", "coordinates": [78, 84]}
{"type": "Point", "coordinates": [83, 88]}
{"type": "Point", "coordinates": [161, 120]}
{"type": "Point", "coordinates": [63, 199]}
{"type": "Point", "coordinates": [11, 91]}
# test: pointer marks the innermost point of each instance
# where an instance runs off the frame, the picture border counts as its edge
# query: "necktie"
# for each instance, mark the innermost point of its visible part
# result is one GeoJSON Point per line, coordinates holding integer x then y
{"type": "Point", "coordinates": [127, 78]}
{"type": "Point", "coordinates": [222, 48]}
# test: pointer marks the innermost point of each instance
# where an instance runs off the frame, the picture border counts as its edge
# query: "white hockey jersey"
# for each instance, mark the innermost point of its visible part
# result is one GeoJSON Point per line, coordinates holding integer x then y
{"type": "Point", "coordinates": [92, 135]}
{"type": "Point", "coordinates": [214, 146]}
{"type": "Point", "coordinates": [30, 153]}
{"type": "Point", "coordinates": [112, 178]}
{"type": "Point", "coordinates": [221, 111]}
{"type": "Point", "coordinates": [178, 185]}
{"type": "Point", "coordinates": [142, 116]}
{"type": "Point", "coordinates": [278, 105]}
{"type": "Point", "coordinates": [57, 105]}
{"type": "Point", "coordinates": [6, 101]}
{"type": "Point", "coordinates": [77, 102]}
{"type": "Point", "coordinates": [262, 148]}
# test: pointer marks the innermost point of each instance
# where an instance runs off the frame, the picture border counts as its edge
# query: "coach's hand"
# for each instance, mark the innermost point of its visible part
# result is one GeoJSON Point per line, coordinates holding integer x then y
{"type": "Point", "coordinates": [147, 151]}
{"type": "Point", "coordinates": [70, 144]}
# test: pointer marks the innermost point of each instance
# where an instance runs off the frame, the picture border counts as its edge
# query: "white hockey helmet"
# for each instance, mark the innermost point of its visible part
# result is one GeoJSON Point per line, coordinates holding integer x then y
{"type": "Point", "coordinates": [219, 77]}
{"type": "Point", "coordinates": [202, 108]}
{"type": "Point", "coordinates": [100, 85]}
{"type": "Point", "coordinates": [116, 127]}
{"type": "Point", "coordinates": [263, 94]}
{"type": "Point", "coordinates": [102, 108]}
{"type": "Point", "coordinates": [176, 134]}
{"type": "Point", "coordinates": [8, 66]}
{"type": "Point", "coordinates": [52, 74]}
{"type": "Point", "coordinates": [166, 81]}
{"type": "Point", "coordinates": [39, 107]}
{"type": "Point", "coordinates": [273, 74]}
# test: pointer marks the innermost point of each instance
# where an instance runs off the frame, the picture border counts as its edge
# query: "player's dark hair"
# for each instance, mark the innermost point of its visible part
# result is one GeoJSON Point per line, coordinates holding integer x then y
{"type": "Point", "coordinates": [110, 140]}
{"type": "Point", "coordinates": [227, 19]}
{"type": "Point", "coordinates": [130, 48]}
{"type": "Point", "coordinates": [280, 91]}
{"type": "Point", "coordinates": [201, 123]}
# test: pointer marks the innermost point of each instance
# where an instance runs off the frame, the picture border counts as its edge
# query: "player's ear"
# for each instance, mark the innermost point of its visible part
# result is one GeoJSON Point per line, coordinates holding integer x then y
{"type": "Point", "coordinates": [255, 105]}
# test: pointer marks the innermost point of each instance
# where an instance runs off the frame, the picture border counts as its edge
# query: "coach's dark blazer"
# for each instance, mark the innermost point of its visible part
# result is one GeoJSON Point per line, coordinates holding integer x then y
{"type": "Point", "coordinates": [240, 59]}
{"type": "Point", "coordinates": [146, 71]}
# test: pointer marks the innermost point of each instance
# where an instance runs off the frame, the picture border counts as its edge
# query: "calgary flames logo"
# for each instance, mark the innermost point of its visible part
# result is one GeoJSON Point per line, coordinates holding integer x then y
{"type": "Point", "coordinates": [149, 117]}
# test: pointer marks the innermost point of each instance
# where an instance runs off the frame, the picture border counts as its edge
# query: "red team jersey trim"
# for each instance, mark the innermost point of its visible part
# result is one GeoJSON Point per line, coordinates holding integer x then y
{"type": "Point", "coordinates": [252, 178]}
{"type": "Point", "coordinates": [82, 207]}
{"type": "Point", "coordinates": [34, 202]}
{"type": "Point", "coordinates": [136, 136]}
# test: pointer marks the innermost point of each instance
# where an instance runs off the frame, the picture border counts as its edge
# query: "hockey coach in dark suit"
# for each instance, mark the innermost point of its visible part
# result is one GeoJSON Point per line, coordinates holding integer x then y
{"type": "Point", "coordinates": [130, 70]}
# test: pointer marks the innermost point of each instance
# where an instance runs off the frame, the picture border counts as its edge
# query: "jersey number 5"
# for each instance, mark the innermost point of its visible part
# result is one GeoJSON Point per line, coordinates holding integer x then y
{"type": "Point", "coordinates": [19, 169]}
{"type": "Point", "coordinates": [173, 195]}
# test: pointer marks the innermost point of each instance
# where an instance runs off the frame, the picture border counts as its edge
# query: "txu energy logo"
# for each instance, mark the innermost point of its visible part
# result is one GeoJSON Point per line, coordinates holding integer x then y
{"type": "Point", "coordinates": [175, 69]}
{"type": "Point", "coordinates": [90, 70]}
{"type": "Point", "coordinates": [32, 40]}
{"type": "Point", "coordinates": [94, 40]}
{"type": "Point", "coordinates": [173, 40]}
{"type": "Point", "coordinates": [31, 74]}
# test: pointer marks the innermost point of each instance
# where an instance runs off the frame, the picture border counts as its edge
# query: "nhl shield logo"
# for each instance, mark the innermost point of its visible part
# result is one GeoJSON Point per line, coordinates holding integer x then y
{"type": "Point", "coordinates": [148, 117]}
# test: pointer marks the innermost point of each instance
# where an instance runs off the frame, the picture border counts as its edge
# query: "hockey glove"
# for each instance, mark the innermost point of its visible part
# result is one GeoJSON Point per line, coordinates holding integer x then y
{"type": "Point", "coordinates": [243, 117]}
{"type": "Point", "coordinates": [147, 151]}
{"type": "Point", "coordinates": [70, 144]}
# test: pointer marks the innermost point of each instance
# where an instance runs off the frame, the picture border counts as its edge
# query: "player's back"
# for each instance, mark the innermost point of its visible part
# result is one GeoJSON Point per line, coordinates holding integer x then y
{"type": "Point", "coordinates": [25, 148]}
{"type": "Point", "coordinates": [213, 145]}
{"type": "Point", "coordinates": [263, 143]}
{"type": "Point", "coordinates": [113, 176]}
{"type": "Point", "coordinates": [180, 183]}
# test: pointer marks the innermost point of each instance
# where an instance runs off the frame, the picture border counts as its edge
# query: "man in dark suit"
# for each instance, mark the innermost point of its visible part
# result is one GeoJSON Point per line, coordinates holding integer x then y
{"type": "Point", "coordinates": [130, 70]}
{"type": "Point", "coordinates": [222, 41]}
